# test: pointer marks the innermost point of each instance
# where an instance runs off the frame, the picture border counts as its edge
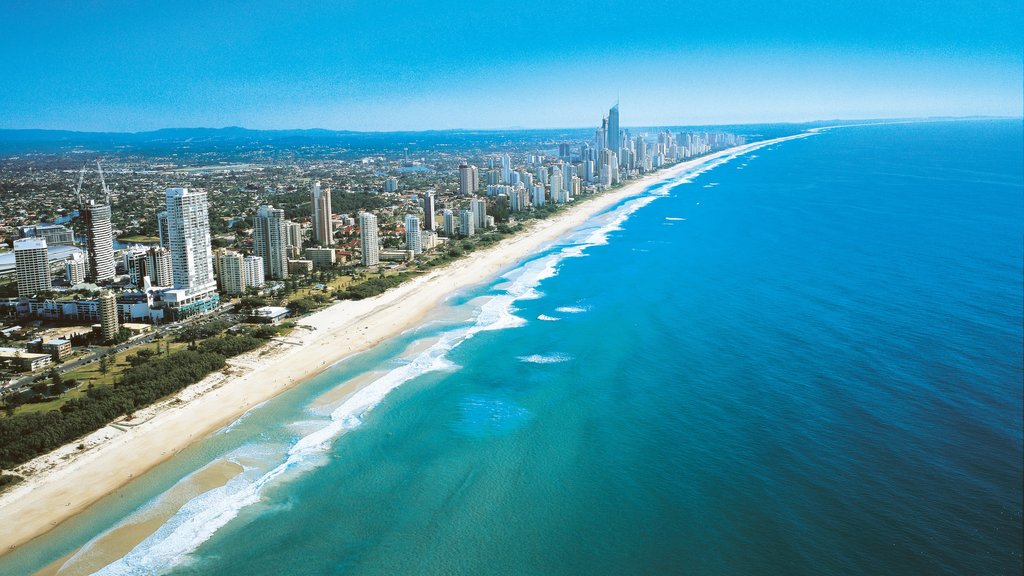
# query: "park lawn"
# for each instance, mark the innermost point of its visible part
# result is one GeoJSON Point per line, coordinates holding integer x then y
{"type": "Point", "coordinates": [139, 239]}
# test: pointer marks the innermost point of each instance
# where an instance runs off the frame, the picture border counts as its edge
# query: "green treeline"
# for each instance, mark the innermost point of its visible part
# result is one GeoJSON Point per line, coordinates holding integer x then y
{"type": "Point", "coordinates": [25, 436]}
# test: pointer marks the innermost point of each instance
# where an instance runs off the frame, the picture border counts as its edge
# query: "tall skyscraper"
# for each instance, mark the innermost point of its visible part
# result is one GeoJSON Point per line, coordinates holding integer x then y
{"type": "Point", "coordinates": [320, 206]}
{"type": "Point", "coordinates": [466, 223]}
{"type": "Point", "coordinates": [557, 189]}
{"type": "Point", "coordinates": [294, 232]}
{"type": "Point", "coordinates": [614, 140]}
{"type": "Point", "coordinates": [479, 208]}
{"type": "Point", "coordinates": [270, 240]}
{"type": "Point", "coordinates": [429, 209]}
{"type": "Point", "coordinates": [161, 229]}
{"type": "Point", "coordinates": [413, 234]}
{"type": "Point", "coordinates": [469, 180]}
{"type": "Point", "coordinates": [188, 233]}
{"type": "Point", "coordinates": [32, 266]}
{"type": "Point", "coordinates": [99, 234]}
{"type": "Point", "coordinates": [158, 267]}
{"type": "Point", "coordinates": [369, 239]}
{"type": "Point", "coordinates": [109, 325]}
{"type": "Point", "coordinates": [252, 270]}
{"type": "Point", "coordinates": [231, 272]}
{"type": "Point", "coordinates": [506, 169]}
{"type": "Point", "coordinates": [448, 222]}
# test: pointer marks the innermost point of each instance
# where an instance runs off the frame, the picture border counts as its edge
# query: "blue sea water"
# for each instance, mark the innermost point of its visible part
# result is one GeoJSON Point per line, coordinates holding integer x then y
{"type": "Point", "coordinates": [804, 360]}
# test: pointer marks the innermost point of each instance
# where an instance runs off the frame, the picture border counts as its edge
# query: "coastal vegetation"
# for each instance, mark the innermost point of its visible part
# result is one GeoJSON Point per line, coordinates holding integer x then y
{"type": "Point", "coordinates": [26, 435]}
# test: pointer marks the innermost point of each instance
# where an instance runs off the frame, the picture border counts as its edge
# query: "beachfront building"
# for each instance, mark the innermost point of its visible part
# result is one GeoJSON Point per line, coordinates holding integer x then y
{"type": "Point", "coordinates": [448, 222]}
{"type": "Point", "coordinates": [188, 233]}
{"type": "Point", "coordinates": [323, 228]}
{"type": "Point", "coordinates": [537, 197]}
{"type": "Point", "coordinates": [293, 230]}
{"type": "Point", "coordinates": [270, 240]}
{"type": "Point", "coordinates": [32, 266]}
{"type": "Point", "coordinates": [429, 209]}
{"type": "Point", "coordinates": [614, 140]}
{"type": "Point", "coordinates": [231, 272]}
{"type": "Point", "coordinates": [413, 235]}
{"type": "Point", "coordinates": [479, 209]}
{"type": "Point", "coordinates": [253, 273]}
{"type": "Point", "coordinates": [369, 239]}
{"type": "Point", "coordinates": [99, 233]}
{"type": "Point", "coordinates": [109, 326]}
{"type": "Point", "coordinates": [466, 223]}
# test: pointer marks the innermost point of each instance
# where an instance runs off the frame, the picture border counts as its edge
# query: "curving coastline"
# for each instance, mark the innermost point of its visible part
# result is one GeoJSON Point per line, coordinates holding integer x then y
{"type": "Point", "coordinates": [67, 481]}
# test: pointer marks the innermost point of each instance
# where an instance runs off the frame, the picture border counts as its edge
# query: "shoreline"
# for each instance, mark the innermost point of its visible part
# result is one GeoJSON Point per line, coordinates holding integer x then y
{"type": "Point", "coordinates": [66, 481]}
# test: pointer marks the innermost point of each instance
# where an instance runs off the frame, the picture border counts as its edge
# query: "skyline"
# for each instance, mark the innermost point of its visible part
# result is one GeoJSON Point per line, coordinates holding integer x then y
{"type": "Point", "coordinates": [362, 68]}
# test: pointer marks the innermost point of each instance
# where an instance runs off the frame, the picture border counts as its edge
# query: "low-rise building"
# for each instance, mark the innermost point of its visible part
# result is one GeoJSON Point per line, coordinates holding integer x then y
{"type": "Point", "coordinates": [270, 314]}
{"type": "Point", "coordinates": [23, 360]}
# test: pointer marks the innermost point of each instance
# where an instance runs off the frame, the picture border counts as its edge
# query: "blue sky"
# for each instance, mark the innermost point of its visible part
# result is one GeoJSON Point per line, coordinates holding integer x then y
{"type": "Point", "coordinates": [358, 65]}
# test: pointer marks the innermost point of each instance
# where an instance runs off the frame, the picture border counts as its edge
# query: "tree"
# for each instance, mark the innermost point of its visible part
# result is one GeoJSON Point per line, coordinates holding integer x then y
{"type": "Point", "coordinates": [103, 365]}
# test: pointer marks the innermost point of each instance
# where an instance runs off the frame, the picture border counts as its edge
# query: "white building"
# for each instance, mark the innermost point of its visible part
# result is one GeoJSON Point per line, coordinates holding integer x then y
{"type": "Point", "coordinates": [479, 208]}
{"type": "Point", "coordinates": [108, 316]}
{"type": "Point", "coordinates": [158, 267]}
{"type": "Point", "coordinates": [448, 222]}
{"type": "Point", "coordinates": [188, 234]}
{"type": "Point", "coordinates": [253, 272]}
{"type": "Point", "coordinates": [74, 268]}
{"type": "Point", "coordinates": [231, 272]}
{"type": "Point", "coordinates": [100, 234]}
{"type": "Point", "coordinates": [413, 237]}
{"type": "Point", "coordinates": [469, 180]}
{"type": "Point", "coordinates": [466, 223]}
{"type": "Point", "coordinates": [369, 239]}
{"type": "Point", "coordinates": [270, 240]}
{"type": "Point", "coordinates": [32, 266]}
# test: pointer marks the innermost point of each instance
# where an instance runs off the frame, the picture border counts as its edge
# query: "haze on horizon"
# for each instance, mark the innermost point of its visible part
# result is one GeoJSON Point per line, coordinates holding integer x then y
{"type": "Point", "coordinates": [119, 66]}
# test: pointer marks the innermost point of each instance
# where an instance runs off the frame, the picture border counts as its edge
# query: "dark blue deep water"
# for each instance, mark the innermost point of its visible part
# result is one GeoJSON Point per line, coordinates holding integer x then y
{"type": "Point", "coordinates": [806, 360]}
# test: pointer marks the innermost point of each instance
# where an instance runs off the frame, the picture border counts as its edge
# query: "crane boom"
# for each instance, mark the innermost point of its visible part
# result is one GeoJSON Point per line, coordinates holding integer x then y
{"type": "Point", "coordinates": [106, 191]}
{"type": "Point", "coordinates": [78, 187]}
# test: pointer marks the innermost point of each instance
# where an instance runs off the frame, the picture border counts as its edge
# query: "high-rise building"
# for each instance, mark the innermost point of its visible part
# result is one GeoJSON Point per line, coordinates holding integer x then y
{"type": "Point", "coordinates": [369, 239]}
{"type": "Point", "coordinates": [557, 190]}
{"type": "Point", "coordinates": [253, 272]}
{"type": "Point", "coordinates": [158, 267]}
{"type": "Point", "coordinates": [74, 268]}
{"type": "Point", "coordinates": [469, 180]}
{"type": "Point", "coordinates": [109, 326]}
{"type": "Point", "coordinates": [231, 272]}
{"type": "Point", "coordinates": [506, 169]}
{"type": "Point", "coordinates": [448, 218]}
{"type": "Point", "coordinates": [466, 223]}
{"type": "Point", "coordinates": [479, 208]}
{"type": "Point", "coordinates": [294, 232]}
{"type": "Point", "coordinates": [161, 229]}
{"type": "Point", "coordinates": [188, 235]}
{"type": "Point", "coordinates": [32, 266]}
{"type": "Point", "coordinates": [614, 140]}
{"type": "Point", "coordinates": [537, 197]}
{"type": "Point", "coordinates": [270, 240]}
{"type": "Point", "coordinates": [391, 184]}
{"type": "Point", "coordinates": [413, 236]}
{"type": "Point", "coordinates": [323, 228]}
{"type": "Point", "coordinates": [134, 258]}
{"type": "Point", "coordinates": [99, 234]}
{"type": "Point", "coordinates": [429, 209]}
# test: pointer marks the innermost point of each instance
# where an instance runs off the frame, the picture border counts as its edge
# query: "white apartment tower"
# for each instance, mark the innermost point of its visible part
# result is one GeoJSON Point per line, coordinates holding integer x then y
{"type": "Point", "coordinates": [369, 239]}
{"type": "Point", "coordinates": [270, 240]}
{"type": "Point", "coordinates": [320, 206]}
{"type": "Point", "coordinates": [466, 223]}
{"type": "Point", "coordinates": [100, 241]}
{"type": "Point", "coordinates": [413, 236]}
{"type": "Point", "coordinates": [32, 266]}
{"type": "Point", "coordinates": [188, 233]}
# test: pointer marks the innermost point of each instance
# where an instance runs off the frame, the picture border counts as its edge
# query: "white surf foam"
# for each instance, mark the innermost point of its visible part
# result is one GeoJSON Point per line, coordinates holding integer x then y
{"type": "Point", "coordinates": [547, 318]}
{"type": "Point", "coordinates": [572, 309]}
{"type": "Point", "coordinates": [545, 358]}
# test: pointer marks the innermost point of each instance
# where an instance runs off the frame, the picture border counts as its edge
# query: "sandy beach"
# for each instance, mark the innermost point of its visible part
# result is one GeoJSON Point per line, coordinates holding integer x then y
{"type": "Point", "coordinates": [68, 480]}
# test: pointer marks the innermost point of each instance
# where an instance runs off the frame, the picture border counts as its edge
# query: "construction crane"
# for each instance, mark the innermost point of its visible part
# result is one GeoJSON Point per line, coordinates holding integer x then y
{"type": "Point", "coordinates": [106, 191]}
{"type": "Point", "coordinates": [78, 187]}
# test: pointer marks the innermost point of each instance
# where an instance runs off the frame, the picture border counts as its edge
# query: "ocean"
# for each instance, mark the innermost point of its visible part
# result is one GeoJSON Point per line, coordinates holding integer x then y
{"type": "Point", "coordinates": [806, 359]}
